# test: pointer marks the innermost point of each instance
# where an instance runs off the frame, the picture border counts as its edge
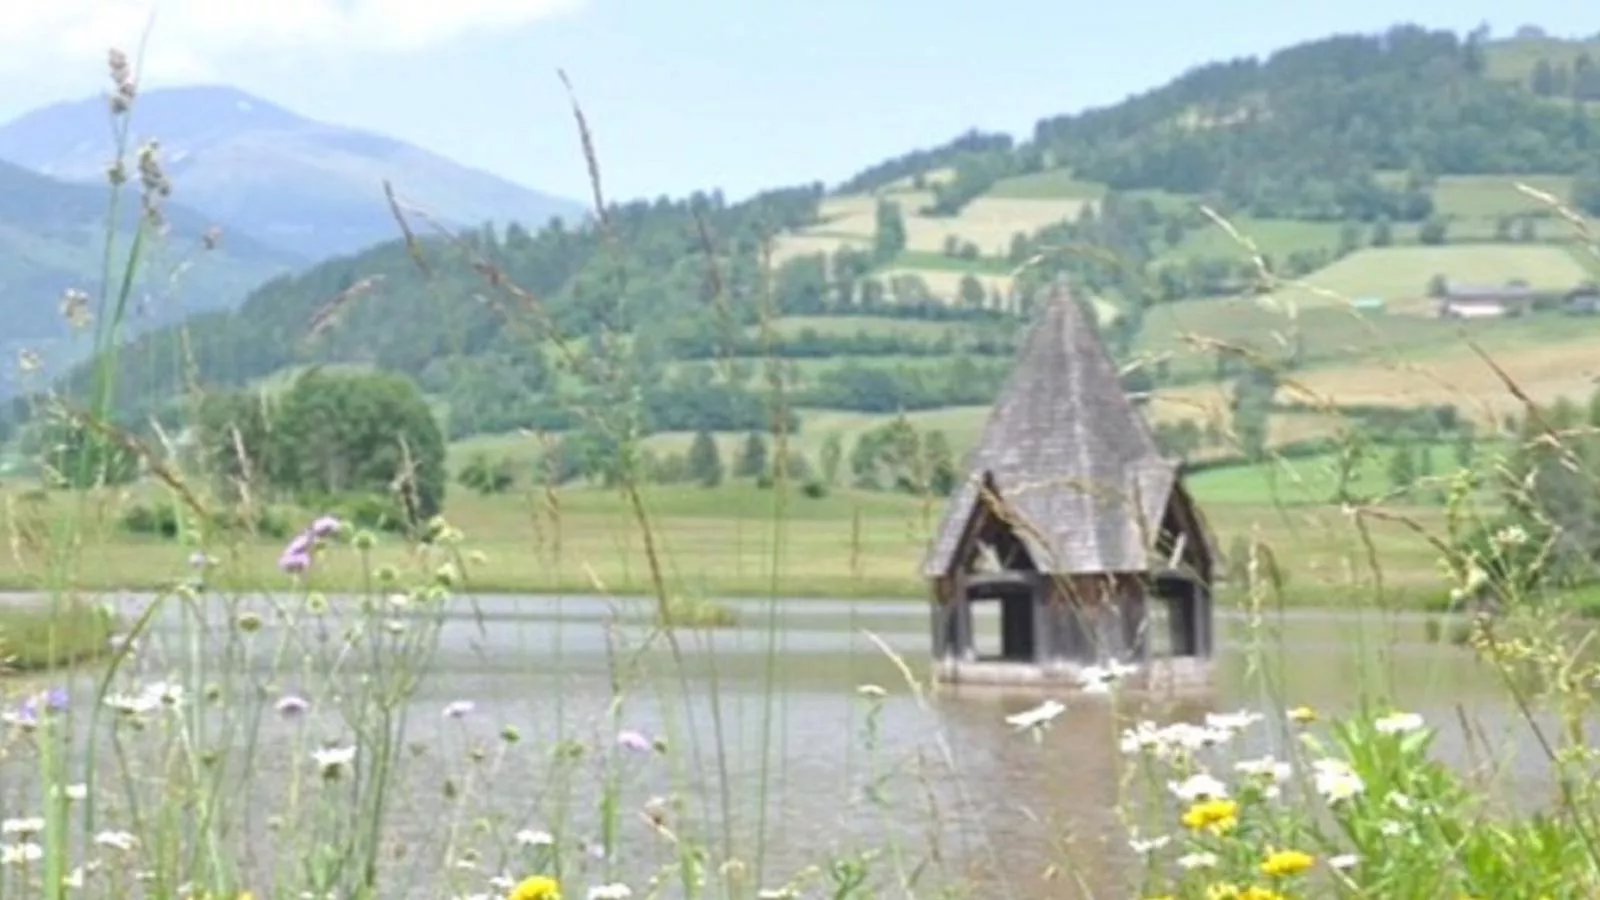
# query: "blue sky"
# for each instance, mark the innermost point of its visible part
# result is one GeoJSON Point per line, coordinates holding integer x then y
{"type": "Point", "coordinates": [689, 93]}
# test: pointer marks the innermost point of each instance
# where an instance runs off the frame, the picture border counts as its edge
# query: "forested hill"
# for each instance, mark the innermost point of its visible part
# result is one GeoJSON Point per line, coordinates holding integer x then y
{"type": "Point", "coordinates": [1305, 132]}
{"type": "Point", "coordinates": [1356, 134]}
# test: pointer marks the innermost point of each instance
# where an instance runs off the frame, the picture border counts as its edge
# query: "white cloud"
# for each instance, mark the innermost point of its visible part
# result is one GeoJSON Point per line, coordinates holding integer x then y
{"type": "Point", "coordinates": [193, 37]}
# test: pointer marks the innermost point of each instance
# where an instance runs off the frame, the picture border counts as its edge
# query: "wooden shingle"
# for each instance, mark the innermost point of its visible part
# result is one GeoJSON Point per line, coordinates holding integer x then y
{"type": "Point", "coordinates": [1076, 467]}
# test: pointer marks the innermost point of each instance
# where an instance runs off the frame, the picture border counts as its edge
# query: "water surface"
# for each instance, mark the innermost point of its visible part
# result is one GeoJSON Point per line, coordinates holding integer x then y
{"type": "Point", "coordinates": [767, 734]}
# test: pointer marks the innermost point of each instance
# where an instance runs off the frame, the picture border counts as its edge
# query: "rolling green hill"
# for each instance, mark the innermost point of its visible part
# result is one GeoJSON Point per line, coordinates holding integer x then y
{"type": "Point", "coordinates": [1357, 167]}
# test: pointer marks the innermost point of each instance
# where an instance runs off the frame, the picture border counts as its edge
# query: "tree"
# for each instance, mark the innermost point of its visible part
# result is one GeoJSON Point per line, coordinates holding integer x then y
{"type": "Point", "coordinates": [1543, 80]}
{"type": "Point", "coordinates": [705, 460]}
{"type": "Point", "coordinates": [1465, 445]}
{"type": "Point", "coordinates": [1252, 407]}
{"type": "Point", "coordinates": [339, 434]}
{"type": "Point", "coordinates": [79, 455]}
{"type": "Point", "coordinates": [753, 457]}
{"type": "Point", "coordinates": [832, 454]}
{"type": "Point", "coordinates": [889, 240]}
{"type": "Point", "coordinates": [970, 292]}
{"type": "Point", "coordinates": [1434, 231]}
{"type": "Point", "coordinates": [232, 432]}
{"type": "Point", "coordinates": [940, 463]}
{"type": "Point", "coordinates": [1382, 232]}
{"type": "Point", "coordinates": [1402, 467]}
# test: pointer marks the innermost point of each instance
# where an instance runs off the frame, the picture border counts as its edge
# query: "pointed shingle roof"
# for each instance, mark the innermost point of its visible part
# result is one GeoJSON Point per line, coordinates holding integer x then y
{"type": "Point", "coordinates": [1071, 457]}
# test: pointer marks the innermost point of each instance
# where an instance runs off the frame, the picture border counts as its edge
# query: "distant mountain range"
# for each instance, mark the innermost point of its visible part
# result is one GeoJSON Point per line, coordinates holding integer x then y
{"type": "Point", "coordinates": [309, 188]}
{"type": "Point", "coordinates": [285, 191]}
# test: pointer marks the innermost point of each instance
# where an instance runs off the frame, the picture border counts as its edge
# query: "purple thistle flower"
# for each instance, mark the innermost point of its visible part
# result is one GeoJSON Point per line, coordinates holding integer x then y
{"type": "Point", "coordinates": [633, 740]}
{"type": "Point", "coordinates": [294, 563]}
{"type": "Point", "coordinates": [325, 525]}
{"type": "Point", "coordinates": [54, 700]}
{"type": "Point", "coordinates": [301, 544]}
{"type": "Point", "coordinates": [296, 556]}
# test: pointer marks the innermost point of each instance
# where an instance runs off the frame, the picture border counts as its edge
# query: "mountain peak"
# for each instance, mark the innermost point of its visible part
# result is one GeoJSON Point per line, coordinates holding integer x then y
{"type": "Point", "coordinates": [307, 187]}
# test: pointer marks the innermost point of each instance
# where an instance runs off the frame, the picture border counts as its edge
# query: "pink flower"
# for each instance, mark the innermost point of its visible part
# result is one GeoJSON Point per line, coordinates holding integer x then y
{"type": "Point", "coordinates": [633, 740]}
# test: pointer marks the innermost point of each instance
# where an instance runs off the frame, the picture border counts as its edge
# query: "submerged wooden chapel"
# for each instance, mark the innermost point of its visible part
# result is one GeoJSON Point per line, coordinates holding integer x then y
{"type": "Point", "coordinates": [1073, 523]}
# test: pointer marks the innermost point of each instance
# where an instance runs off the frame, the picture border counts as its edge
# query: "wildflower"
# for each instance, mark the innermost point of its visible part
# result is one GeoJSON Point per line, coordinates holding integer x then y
{"type": "Point", "coordinates": [1343, 861]}
{"type": "Point", "coordinates": [291, 706]}
{"type": "Point", "coordinates": [458, 709]}
{"type": "Point", "coordinates": [1335, 780]}
{"type": "Point", "coordinates": [1267, 772]}
{"type": "Point", "coordinates": [30, 825]}
{"type": "Point", "coordinates": [1281, 863]}
{"type": "Point", "coordinates": [614, 891]}
{"type": "Point", "coordinates": [20, 854]}
{"type": "Point", "coordinates": [325, 526]}
{"type": "Point", "coordinates": [1099, 679]}
{"type": "Point", "coordinates": [1145, 846]}
{"type": "Point", "coordinates": [529, 837]}
{"type": "Point", "coordinates": [117, 840]}
{"type": "Point", "coordinates": [633, 740]}
{"type": "Point", "coordinates": [1302, 715]}
{"type": "Point", "coordinates": [538, 887]}
{"type": "Point", "coordinates": [1232, 722]}
{"type": "Point", "coordinates": [294, 562]}
{"type": "Point", "coordinates": [1038, 717]}
{"type": "Point", "coordinates": [1217, 816]}
{"type": "Point", "coordinates": [1198, 787]}
{"type": "Point", "coordinates": [199, 560]}
{"type": "Point", "coordinates": [333, 761]}
{"type": "Point", "coordinates": [1198, 860]}
{"type": "Point", "coordinates": [1398, 723]}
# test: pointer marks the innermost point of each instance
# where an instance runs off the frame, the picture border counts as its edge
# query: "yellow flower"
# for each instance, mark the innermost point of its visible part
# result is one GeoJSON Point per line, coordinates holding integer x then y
{"type": "Point", "coordinates": [1302, 715]}
{"type": "Point", "coordinates": [1286, 862]}
{"type": "Point", "coordinates": [1217, 815]}
{"type": "Point", "coordinates": [538, 887]}
{"type": "Point", "coordinates": [1260, 893]}
{"type": "Point", "coordinates": [1222, 890]}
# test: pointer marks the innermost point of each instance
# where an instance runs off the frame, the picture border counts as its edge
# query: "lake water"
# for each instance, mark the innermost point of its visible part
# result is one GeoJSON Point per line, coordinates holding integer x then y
{"type": "Point", "coordinates": [767, 717]}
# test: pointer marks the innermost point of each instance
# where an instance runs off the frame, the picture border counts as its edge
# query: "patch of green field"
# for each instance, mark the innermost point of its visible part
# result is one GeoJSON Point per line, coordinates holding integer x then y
{"type": "Point", "coordinates": [845, 326]}
{"type": "Point", "coordinates": [1275, 237]}
{"type": "Point", "coordinates": [1514, 59]}
{"type": "Point", "coordinates": [961, 424]}
{"type": "Point", "coordinates": [43, 636]}
{"type": "Point", "coordinates": [1491, 196]}
{"type": "Point", "coordinates": [1336, 335]}
{"type": "Point", "coordinates": [922, 259]}
{"type": "Point", "coordinates": [1400, 275]}
{"type": "Point", "coordinates": [1053, 184]}
{"type": "Point", "coordinates": [1314, 480]}
{"type": "Point", "coordinates": [735, 540]}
